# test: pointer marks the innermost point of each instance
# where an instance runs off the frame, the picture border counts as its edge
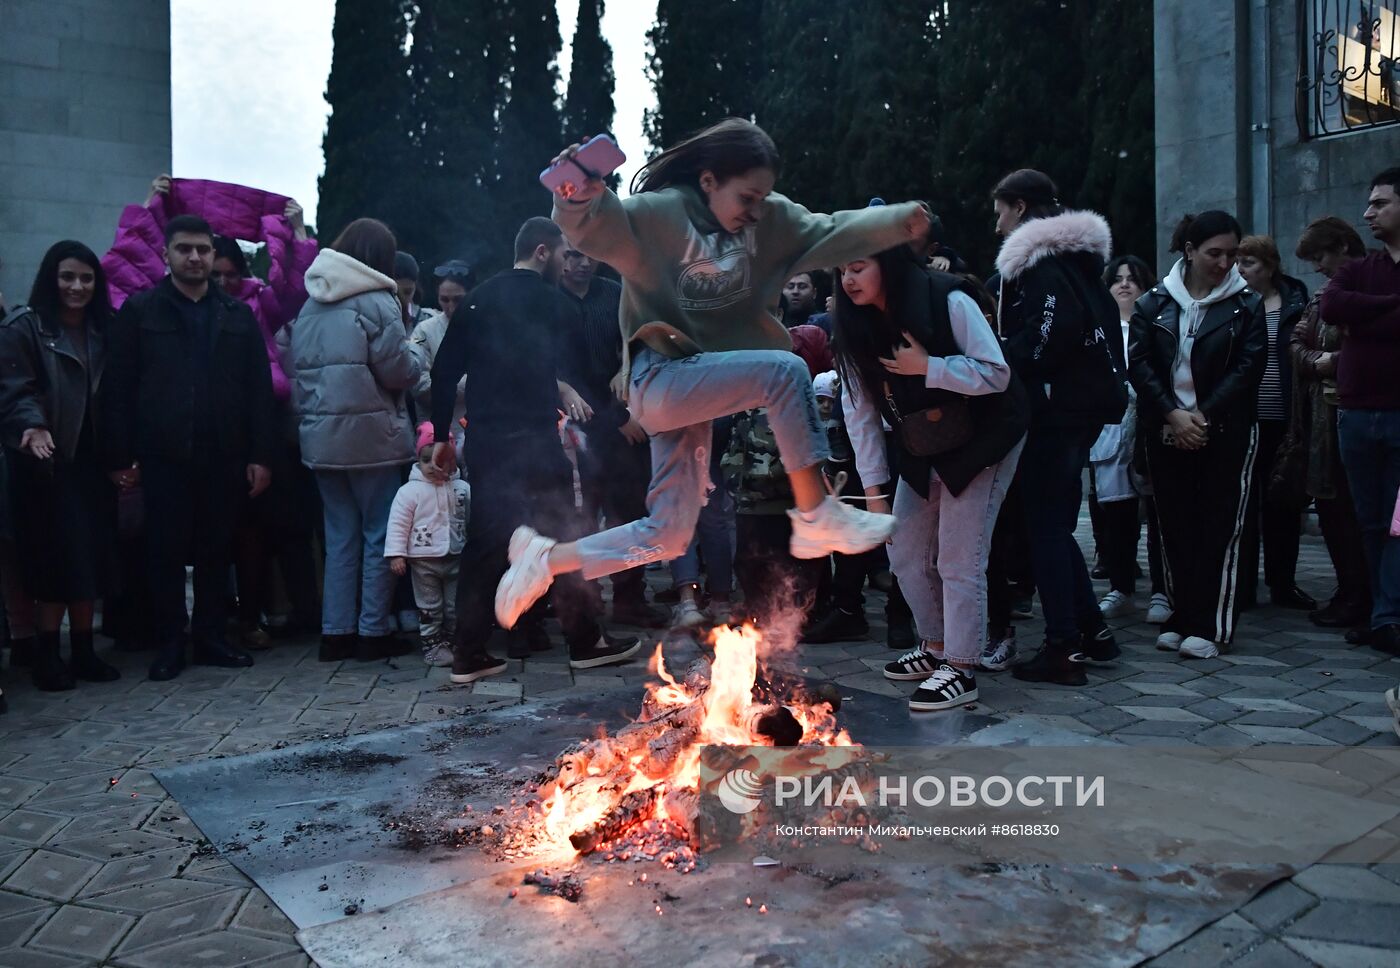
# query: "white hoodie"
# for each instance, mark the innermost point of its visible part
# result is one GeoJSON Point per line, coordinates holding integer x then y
{"type": "Point", "coordinates": [334, 276]}
{"type": "Point", "coordinates": [428, 520]}
{"type": "Point", "coordinates": [1193, 313]}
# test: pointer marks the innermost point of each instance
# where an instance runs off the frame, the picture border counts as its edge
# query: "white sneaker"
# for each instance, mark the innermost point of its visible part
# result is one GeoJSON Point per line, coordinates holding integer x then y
{"type": "Point", "coordinates": [1168, 642]}
{"type": "Point", "coordinates": [999, 652]}
{"type": "Point", "coordinates": [837, 527]}
{"type": "Point", "coordinates": [1392, 699]}
{"type": "Point", "coordinates": [687, 615]}
{"type": "Point", "coordinates": [1195, 647]}
{"type": "Point", "coordinates": [527, 578]}
{"type": "Point", "coordinates": [1159, 609]}
{"type": "Point", "coordinates": [1116, 604]}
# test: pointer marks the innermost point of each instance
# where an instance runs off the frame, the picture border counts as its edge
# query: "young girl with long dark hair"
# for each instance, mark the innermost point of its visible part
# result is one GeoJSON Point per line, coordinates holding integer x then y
{"type": "Point", "coordinates": [910, 341]}
{"type": "Point", "coordinates": [704, 247]}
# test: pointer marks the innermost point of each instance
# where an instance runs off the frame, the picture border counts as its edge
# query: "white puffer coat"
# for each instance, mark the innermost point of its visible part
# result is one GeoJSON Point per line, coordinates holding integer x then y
{"type": "Point", "coordinates": [352, 367]}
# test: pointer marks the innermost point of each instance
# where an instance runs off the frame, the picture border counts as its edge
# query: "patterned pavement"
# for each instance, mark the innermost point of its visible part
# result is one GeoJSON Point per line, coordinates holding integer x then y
{"type": "Point", "coordinates": [99, 866]}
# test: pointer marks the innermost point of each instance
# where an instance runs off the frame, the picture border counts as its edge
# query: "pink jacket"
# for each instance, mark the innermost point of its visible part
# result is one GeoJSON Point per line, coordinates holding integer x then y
{"type": "Point", "coordinates": [134, 262]}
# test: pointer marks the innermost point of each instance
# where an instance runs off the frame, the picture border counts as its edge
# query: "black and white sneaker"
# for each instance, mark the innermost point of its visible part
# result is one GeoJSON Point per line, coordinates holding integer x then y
{"type": "Point", "coordinates": [609, 650]}
{"type": "Point", "coordinates": [913, 665]}
{"type": "Point", "coordinates": [946, 688]}
{"type": "Point", "coordinates": [467, 669]}
{"type": "Point", "coordinates": [1098, 646]}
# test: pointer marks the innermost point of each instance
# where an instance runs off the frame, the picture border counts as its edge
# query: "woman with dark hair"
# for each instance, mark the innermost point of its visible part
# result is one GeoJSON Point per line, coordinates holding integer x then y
{"type": "Point", "coordinates": [1276, 518]}
{"type": "Point", "coordinates": [353, 370]}
{"type": "Point", "coordinates": [704, 247]}
{"type": "Point", "coordinates": [1196, 352]}
{"type": "Point", "coordinates": [1119, 489]}
{"type": "Point", "coordinates": [912, 342]}
{"type": "Point", "coordinates": [1060, 330]}
{"type": "Point", "coordinates": [53, 355]}
{"type": "Point", "coordinates": [1328, 243]}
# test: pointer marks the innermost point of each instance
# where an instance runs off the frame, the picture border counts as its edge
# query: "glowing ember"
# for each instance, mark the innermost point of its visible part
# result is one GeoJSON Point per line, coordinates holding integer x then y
{"type": "Point", "coordinates": [639, 788]}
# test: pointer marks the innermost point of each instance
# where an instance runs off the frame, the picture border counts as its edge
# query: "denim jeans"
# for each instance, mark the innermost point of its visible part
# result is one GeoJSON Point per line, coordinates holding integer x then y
{"type": "Point", "coordinates": [1052, 466]}
{"type": "Point", "coordinates": [1369, 441]}
{"type": "Point", "coordinates": [714, 535]}
{"type": "Point", "coordinates": [674, 400]}
{"type": "Point", "coordinates": [939, 553]}
{"type": "Point", "coordinates": [356, 511]}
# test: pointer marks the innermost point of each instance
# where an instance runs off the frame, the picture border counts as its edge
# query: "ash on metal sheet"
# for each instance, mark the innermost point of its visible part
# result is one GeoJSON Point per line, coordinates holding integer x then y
{"type": "Point", "coordinates": [566, 885]}
{"type": "Point", "coordinates": [454, 734]}
{"type": "Point", "coordinates": [336, 761]}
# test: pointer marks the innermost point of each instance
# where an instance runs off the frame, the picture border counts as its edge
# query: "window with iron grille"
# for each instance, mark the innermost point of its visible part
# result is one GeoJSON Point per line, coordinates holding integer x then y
{"type": "Point", "coordinates": [1348, 65]}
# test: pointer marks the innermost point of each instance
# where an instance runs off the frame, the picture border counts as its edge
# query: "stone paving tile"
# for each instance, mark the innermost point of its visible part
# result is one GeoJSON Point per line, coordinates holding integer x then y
{"type": "Point", "coordinates": [214, 950]}
{"type": "Point", "coordinates": [1271, 954]}
{"type": "Point", "coordinates": [1346, 882]}
{"type": "Point", "coordinates": [1277, 905]}
{"type": "Point", "coordinates": [144, 898]}
{"type": "Point", "coordinates": [82, 931]}
{"type": "Point", "coordinates": [34, 958]}
{"type": "Point", "coordinates": [52, 875]}
{"type": "Point", "coordinates": [138, 870]}
{"type": "Point", "coordinates": [195, 917]}
{"type": "Point", "coordinates": [16, 929]}
{"type": "Point", "coordinates": [28, 827]}
{"type": "Point", "coordinates": [1349, 921]}
{"type": "Point", "coordinates": [1331, 954]}
{"type": "Point", "coordinates": [259, 915]}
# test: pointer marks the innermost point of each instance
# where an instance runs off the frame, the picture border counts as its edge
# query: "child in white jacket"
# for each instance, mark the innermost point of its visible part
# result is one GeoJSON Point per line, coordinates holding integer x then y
{"type": "Point", "coordinates": [427, 529]}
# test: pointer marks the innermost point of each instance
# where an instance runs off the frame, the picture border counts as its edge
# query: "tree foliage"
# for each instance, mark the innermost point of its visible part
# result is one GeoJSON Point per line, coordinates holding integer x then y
{"type": "Point", "coordinates": [443, 112]}
{"type": "Point", "coordinates": [931, 99]}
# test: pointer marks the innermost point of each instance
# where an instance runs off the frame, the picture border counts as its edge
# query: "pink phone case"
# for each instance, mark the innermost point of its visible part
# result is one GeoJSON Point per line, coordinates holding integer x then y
{"type": "Point", "coordinates": [597, 157]}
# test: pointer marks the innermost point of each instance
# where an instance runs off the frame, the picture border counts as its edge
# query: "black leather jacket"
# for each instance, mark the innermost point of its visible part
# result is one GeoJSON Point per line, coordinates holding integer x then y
{"type": "Point", "coordinates": [1227, 360]}
{"type": "Point", "coordinates": [44, 382]}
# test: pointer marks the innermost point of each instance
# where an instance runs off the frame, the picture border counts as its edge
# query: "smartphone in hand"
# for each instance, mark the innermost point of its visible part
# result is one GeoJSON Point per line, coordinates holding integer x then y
{"type": "Point", "coordinates": [598, 157]}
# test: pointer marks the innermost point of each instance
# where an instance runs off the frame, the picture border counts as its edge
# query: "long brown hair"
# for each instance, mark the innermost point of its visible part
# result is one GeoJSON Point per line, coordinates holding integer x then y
{"type": "Point", "coordinates": [729, 148]}
{"type": "Point", "coordinates": [369, 241]}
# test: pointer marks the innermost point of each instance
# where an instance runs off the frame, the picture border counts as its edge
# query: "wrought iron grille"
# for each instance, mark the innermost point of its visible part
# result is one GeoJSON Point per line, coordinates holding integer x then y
{"type": "Point", "coordinates": [1348, 65]}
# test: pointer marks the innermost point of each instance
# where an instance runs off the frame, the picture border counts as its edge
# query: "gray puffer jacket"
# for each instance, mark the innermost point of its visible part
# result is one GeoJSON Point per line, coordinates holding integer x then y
{"type": "Point", "coordinates": [353, 367]}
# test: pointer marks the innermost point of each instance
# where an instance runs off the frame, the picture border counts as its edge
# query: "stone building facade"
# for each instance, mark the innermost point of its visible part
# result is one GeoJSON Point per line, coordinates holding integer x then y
{"type": "Point", "coordinates": [84, 122]}
{"type": "Point", "coordinates": [1250, 116]}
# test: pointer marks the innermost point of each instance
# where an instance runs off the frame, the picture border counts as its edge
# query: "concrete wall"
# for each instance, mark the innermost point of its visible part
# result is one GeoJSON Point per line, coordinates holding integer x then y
{"type": "Point", "coordinates": [1225, 74]}
{"type": "Point", "coordinates": [84, 122]}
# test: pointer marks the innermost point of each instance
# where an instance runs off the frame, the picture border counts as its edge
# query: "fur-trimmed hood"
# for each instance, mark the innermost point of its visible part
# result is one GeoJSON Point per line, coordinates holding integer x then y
{"type": "Point", "coordinates": [1057, 235]}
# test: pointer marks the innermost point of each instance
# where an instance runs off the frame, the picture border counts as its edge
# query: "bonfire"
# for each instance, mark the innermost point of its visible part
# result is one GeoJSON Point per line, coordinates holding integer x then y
{"type": "Point", "coordinates": [645, 778]}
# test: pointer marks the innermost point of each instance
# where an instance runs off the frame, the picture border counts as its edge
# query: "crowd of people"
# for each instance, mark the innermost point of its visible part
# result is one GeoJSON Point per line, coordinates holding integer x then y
{"type": "Point", "coordinates": [790, 408]}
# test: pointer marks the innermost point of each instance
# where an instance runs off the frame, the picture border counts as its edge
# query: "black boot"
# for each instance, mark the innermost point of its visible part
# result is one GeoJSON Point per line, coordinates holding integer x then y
{"type": "Point", "coordinates": [1053, 664]}
{"type": "Point", "coordinates": [375, 648]}
{"type": "Point", "coordinates": [215, 651]}
{"type": "Point", "coordinates": [86, 665]}
{"type": "Point", "coordinates": [22, 651]}
{"type": "Point", "coordinates": [837, 625]}
{"type": "Point", "coordinates": [47, 668]}
{"type": "Point", "coordinates": [899, 635]}
{"type": "Point", "coordinates": [338, 648]}
{"type": "Point", "coordinates": [169, 661]}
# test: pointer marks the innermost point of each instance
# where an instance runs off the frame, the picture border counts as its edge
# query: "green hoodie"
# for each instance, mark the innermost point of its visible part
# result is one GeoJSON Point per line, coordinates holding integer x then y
{"type": "Point", "coordinates": [690, 287]}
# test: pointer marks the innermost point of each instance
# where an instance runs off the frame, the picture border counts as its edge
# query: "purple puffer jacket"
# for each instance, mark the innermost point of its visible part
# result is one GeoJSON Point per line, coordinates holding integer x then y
{"type": "Point", "coordinates": [134, 262]}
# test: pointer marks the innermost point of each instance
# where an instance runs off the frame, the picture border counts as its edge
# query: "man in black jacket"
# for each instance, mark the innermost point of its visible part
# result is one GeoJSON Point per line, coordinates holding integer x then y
{"type": "Point", "coordinates": [511, 336]}
{"type": "Point", "coordinates": [615, 467]}
{"type": "Point", "coordinates": [188, 415]}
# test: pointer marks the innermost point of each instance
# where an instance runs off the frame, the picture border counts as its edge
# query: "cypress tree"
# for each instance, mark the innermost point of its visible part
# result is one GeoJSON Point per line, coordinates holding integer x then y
{"type": "Point", "coordinates": [705, 63]}
{"type": "Point", "coordinates": [530, 133]}
{"type": "Point", "coordinates": [367, 91]}
{"type": "Point", "coordinates": [588, 107]}
{"type": "Point", "coordinates": [456, 61]}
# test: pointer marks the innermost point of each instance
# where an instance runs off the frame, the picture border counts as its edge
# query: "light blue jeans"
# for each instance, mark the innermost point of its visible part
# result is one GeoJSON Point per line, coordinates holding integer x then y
{"type": "Point", "coordinates": [939, 553]}
{"type": "Point", "coordinates": [714, 535]}
{"type": "Point", "coordinates": [356, 504]}
{"type": "Point", "coordinates": [674, 400]}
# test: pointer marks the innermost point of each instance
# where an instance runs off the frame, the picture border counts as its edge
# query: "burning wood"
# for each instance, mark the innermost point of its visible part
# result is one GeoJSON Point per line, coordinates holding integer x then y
{"type": "Point", "coordinates": [644, 779]}
{"type": "Point", "coordinates": [632, 809]}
